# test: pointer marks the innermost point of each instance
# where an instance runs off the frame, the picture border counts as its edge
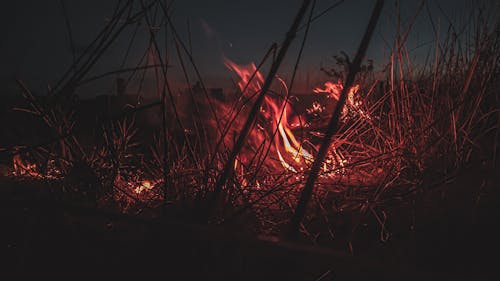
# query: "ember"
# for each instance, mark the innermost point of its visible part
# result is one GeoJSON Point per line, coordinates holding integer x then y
{"type": "Point", "coordinates": [23, 168]}
{"type": "Point", "coordinates": [145, 185]}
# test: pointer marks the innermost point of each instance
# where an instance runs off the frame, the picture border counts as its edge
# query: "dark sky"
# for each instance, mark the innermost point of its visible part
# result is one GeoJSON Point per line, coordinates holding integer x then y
{"type": "Point", "coordinates": [35, 45]}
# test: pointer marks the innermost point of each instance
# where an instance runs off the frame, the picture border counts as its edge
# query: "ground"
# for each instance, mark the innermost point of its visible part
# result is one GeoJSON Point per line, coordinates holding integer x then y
{"type": "Point", "coordinates": [454, 237]}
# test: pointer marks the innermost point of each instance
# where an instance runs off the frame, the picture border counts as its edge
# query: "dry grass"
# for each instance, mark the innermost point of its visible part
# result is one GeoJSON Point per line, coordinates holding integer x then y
{"type": "Point", "coordinates": [415, 126]}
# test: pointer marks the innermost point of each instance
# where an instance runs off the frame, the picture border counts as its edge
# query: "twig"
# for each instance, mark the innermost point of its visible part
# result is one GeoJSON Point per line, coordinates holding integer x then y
{"type": "Point", "coordinates": [70, 33]}
{"type": "Point", "coordinates": [333, 124]}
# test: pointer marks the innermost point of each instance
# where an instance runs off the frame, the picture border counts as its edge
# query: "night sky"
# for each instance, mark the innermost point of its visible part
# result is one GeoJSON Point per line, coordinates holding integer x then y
{"type": "Point", "coordinates": [35, 45]}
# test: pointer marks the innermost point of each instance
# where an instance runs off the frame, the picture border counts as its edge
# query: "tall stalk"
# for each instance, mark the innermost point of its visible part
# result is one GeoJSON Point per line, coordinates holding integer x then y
{"type": "Point", "coordinates": [228, 169]}
{"type": "Point", "coordinates": [333, 124]}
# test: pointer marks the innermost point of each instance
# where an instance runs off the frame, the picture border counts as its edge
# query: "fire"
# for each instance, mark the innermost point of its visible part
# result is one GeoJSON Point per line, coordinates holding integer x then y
{"type": "Point", "coordinates": [334, 90]}
{"type": "Point", "coordinates": [352, 104]}
{"type": "Point", "coordinates": [241, 173]}
{"type": "Point", "coordinates": [144, 185]}
{"type": "Point", "coordinates": [286, 136]}
{"type": "Point", "coordinates": [24, 168]}
{"type": "Point", "coordinates": [247, 84]}
{"type": "Point", "coordinates": [288, 149]}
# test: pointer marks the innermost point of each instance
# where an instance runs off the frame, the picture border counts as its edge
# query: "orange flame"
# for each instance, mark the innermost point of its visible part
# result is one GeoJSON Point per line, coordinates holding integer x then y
{"type": "Point", "coordinates": [334, 90]}
{"type": "Point", "coordinates": [23, 168]}
{"type": "Point", "coordinates": [290, 152]}
{"type": "Point", "coordinates": [247, 84]}
{"type": "Point", "coordinates": [285, 140]}
{"type": "Point", "coordinates": [145, 185]}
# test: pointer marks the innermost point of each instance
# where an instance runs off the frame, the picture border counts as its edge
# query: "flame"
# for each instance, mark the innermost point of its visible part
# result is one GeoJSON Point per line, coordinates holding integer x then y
{"type": "Point", "coordinates": [247, 84]}
{"type": "Point", "coordinates": [334, 90]}
{"type": "Point", "coordinates": [24, 168]}
{"type": "Point", "coordinates": [290, 143]}
{"type": "Point", "coordinates": [240, 173]}
{"type": "Point", "coordinates": [286, 144]}
{"type": "Point", "coordinates": [144, 185]}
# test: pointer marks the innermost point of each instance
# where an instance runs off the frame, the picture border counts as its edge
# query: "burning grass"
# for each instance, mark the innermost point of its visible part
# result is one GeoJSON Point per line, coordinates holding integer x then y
{"type": "Point", "coordinates": [403, 128]}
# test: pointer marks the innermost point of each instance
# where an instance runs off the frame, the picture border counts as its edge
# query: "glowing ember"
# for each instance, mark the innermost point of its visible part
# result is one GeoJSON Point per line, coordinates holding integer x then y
{"type": "Point", "coordinates": [316, 108]}
{"type": "Point", "coordinates": [23, 168]}
{"type": "Point", "coordinates": [144, 185]}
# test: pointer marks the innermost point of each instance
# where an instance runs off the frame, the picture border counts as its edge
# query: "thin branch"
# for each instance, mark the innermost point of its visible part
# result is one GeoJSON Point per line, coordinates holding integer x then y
{"type": "Point", "coordinates": [228, 169]}
{"type": "Point", "coordinates": [333, 124]}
